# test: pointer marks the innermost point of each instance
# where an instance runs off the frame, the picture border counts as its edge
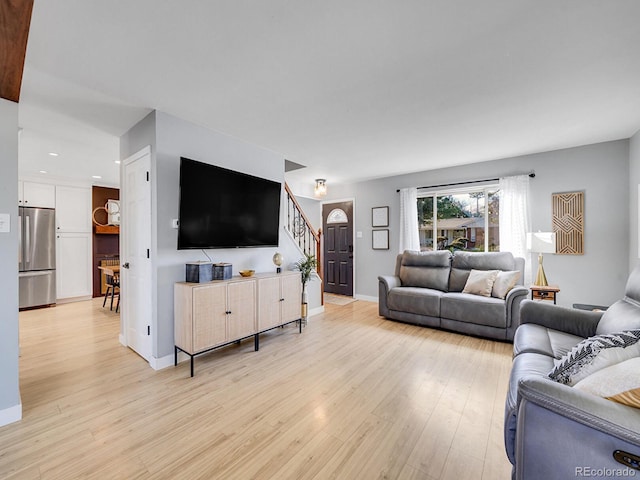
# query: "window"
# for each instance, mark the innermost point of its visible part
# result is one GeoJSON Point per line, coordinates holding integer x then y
{"type": "Point", "coordinates": [337, 215]}
{"type": "Point", "coordinates": [463, 219]}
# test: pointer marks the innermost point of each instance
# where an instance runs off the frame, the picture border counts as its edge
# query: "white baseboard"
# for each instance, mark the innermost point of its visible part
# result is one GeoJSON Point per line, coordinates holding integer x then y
{"type": "Point", "coordinates": [367, 298]}
{"type": "Point", "coordinates": [166, 361]}
{"type": "Point", "coordinates": [74, 299]}
{"type": "Point", "coordinates": [10, 415]}
{"type": "Point", "coordinates": [122, 340]}
{"type": "Point", "coordinates": [316, 311]}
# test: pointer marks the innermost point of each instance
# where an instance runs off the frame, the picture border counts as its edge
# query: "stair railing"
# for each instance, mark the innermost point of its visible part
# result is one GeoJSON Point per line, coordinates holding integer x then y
{"type": "Point", "coordinates": [303, 233]}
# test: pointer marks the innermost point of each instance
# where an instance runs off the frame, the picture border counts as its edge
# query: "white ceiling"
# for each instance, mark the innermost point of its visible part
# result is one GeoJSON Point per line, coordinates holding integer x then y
{"type": "Point", "coordinates": [354, 89]}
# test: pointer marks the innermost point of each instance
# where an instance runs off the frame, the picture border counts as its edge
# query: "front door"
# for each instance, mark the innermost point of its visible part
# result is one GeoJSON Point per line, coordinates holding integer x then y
{"type": "Point", "coordinates": [337, 222]}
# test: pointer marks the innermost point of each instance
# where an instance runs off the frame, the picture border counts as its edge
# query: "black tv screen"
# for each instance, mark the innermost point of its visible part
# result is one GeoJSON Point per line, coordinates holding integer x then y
{"type": "Point", "coordinates": [221, 208]}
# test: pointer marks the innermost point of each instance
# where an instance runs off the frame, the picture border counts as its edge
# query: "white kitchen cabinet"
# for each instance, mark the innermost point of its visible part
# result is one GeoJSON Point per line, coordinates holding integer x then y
{"type": "Point", "coordinates": [73, 209]}
{"type": "Point", "coordinates": [32, 194]}
{"type": "Point", "coordinates": [73, 265]}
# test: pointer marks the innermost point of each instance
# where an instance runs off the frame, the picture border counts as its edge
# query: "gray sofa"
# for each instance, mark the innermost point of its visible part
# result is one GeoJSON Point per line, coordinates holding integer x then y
{"type": "Point", "coordinates": [556, 431]}
{"type": "Point", "coordinates": [427, 290]}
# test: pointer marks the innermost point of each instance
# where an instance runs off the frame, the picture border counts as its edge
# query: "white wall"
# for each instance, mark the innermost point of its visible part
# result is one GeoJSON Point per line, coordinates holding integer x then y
{"type": "Point", "coordinates": [171, 138]}
{"type": "Point", "coordinates": [10, 406]}
{"type": "Point", "coordinates": [634, 186]}
{"type": "Point", "coordinates": [601, 170]}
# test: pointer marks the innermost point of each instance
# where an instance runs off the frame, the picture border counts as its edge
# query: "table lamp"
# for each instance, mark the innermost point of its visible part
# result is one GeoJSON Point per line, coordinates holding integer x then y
{"type": "Point", "coordinates": [541, 242]}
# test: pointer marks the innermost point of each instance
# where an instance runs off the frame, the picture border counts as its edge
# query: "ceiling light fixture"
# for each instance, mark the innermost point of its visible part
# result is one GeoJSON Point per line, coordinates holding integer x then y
{"type": "Point", "coordinates": [43, 171]}
{"type": "Point", "coordinates": [96, 176]}
{"type": "Point", "coordinates": [53, 154]}
{"type": "Point", "coordinates": [118, 162]}
{"type": "Point", "coordinates": [321, 187]}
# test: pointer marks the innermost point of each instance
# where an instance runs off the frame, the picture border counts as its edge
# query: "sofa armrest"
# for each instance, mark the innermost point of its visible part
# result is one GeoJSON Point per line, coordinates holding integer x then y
{"type": "Point", "coordinates": [565, 433]}
{"type": "Point", "coordinates": [385, 284]}
{"type": "Point", "coordinates": [569, 320]}
{"type": "Point", "coordinates": [514, 299]}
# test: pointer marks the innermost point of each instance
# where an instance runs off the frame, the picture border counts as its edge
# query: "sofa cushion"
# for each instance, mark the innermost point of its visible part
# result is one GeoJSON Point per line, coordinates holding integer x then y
{"type": "Point", "coordinates": [505, 281]}
{"type": "Point", "coordinates": [422, 301]}
{"type": "Point", "coordinates": [480, 282]}
{"type": "Point", "coordinates": [595, 353]}
{"type": "Point", "coordinates": [473, 309]}
{"type": "Point", "coordinates": [622, 315]}
{"type": "Point", "coordinates": [425, 269]}
{"type": "Point", "coordinates": [463, 262]}
{"type": "Point", "coordinates": [619, 382]}
{"type": "Point", "coordinates": [534, 338]}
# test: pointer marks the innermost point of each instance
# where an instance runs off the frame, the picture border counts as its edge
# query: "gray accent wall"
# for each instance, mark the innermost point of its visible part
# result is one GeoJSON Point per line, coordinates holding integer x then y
{"type": "Point", "coordinates": [600, 170]}
{"type": "Point", "coordinates": [171, 138]}
{"type": "Point", "coordinates": [10, 408]}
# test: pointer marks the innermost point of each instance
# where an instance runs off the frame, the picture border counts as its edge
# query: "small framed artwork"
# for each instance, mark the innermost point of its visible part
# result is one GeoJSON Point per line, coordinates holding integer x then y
{"type": "Point", "coordinates": [380, 217]}
{"type": "Point", "coordinates": [380, 239]}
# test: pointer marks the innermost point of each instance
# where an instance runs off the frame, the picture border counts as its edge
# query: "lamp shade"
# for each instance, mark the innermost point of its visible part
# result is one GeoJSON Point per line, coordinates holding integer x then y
{"type": "Point", "coordinates": [541, 242]}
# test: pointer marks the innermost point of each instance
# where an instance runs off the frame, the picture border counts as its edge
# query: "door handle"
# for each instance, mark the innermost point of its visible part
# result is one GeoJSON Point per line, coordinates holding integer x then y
{"type": "Point", "coordinates": [350, 248]}
{"type": "Point", "coordinates": [125, 265]}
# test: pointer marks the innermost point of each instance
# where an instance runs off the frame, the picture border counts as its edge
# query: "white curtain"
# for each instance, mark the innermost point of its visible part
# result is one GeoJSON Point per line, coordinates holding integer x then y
{"type": "Point", "coordinates": [515, 219]}
{"type": "Point", "coordinates": [409, 236]}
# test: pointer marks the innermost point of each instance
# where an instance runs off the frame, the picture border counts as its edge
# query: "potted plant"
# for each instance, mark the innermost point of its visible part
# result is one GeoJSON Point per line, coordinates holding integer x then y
{"type": "Point", "coordinates": [307, 267]}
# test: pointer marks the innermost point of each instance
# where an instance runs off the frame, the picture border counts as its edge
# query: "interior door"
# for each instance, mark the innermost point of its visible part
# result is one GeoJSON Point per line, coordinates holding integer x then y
{"type": "Point", "coordinates": [135, 272]}
{"type": "Point", "coordinates": [337, 222]}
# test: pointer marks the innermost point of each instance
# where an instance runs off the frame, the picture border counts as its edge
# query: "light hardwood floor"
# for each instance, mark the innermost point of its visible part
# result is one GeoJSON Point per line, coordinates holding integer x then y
{"type": "Point", "coordinates": [354, 397]}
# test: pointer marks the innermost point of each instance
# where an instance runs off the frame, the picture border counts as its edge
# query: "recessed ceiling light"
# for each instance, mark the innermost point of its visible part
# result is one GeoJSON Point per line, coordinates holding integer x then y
{"type": "Point", "coordinates": [43, 171]}
{"type": "Point", "coordinates": [53, 154]}
{"type": "Point", "coordinates": [96, 176]}
{"type": "Point", "coordinates": [118, 162]}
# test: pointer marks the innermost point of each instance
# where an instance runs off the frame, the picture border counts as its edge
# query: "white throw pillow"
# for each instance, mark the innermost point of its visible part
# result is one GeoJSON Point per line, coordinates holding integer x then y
{"type": "Point", "coordinates": [619, 382]}
{"type": "Point", "coordinates": [480, 282]}
{"type": "Point", "coordinates": [505, 281]}
{"type": "Point", "coordinates": [595, 353]}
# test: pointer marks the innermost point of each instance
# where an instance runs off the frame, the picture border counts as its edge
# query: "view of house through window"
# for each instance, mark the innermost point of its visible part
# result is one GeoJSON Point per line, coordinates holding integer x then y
{"type": "Point", "coordinates": [460, 220]}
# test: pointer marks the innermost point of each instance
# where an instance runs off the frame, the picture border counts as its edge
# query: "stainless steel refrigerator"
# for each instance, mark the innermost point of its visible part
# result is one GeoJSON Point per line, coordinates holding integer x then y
{"type": "Point", "coordinates": [37, 256]}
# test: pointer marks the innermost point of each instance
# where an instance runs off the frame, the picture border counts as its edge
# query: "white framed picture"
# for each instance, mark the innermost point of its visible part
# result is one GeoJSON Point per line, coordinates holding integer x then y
{"type": "Point", "coordinates": [380, 239]}
{"type": "Point", "coordinates": [380, 217]}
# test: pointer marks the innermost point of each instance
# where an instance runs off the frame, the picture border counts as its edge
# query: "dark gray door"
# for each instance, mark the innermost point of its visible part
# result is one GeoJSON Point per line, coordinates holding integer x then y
{"type": "Point", "coordinates": [337, 223]}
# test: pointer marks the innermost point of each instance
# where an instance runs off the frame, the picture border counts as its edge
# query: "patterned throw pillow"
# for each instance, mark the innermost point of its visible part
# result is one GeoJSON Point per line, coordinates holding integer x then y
{"type": "Point", "coordinates": [619, 382]}
{"type": "Point", "coordinates": [595, 353]}
{"type": "Point", "coordinates": [480, 282]}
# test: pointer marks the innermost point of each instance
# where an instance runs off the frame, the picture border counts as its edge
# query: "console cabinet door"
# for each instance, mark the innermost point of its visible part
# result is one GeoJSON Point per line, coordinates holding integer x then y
{"type": "Point", "coordinates": [291, 297]}
{"type": "Point", "coordinates": [242, 309]}
{"type": "Point", "coordinates": [269, 302]}
{"type": "Point", "coordinates": [209, 316]}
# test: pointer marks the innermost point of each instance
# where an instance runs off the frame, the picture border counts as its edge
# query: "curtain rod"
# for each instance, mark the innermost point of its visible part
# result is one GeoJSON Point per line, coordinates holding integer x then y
{"type": "Point", "coordinates": [531, 175]}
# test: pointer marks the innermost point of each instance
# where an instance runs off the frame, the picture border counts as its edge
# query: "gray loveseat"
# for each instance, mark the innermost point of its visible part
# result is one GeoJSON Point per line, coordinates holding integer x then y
{"type": "Point", "coordinates": [427, 289]}
{"type": "Point", "coordinates": [556, 431]}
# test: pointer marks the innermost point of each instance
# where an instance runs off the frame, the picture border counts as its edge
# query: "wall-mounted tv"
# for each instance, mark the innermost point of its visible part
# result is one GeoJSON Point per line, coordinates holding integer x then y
{"type": "Point", "coordinates": [221, 208]}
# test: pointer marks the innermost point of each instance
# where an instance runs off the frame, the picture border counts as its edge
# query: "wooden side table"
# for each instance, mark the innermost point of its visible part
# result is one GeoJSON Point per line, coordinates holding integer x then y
{"type": "Point", "coordinates": [544, 293]}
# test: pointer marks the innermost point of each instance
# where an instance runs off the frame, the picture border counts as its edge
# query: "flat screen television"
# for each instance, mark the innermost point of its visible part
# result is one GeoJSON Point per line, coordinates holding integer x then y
{"type": "Point", "coordinates": [221, 208]}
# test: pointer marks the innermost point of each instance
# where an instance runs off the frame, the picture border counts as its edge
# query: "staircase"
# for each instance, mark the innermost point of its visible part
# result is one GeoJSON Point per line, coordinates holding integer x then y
{"type": "Point", "coordinates": [303, 233]}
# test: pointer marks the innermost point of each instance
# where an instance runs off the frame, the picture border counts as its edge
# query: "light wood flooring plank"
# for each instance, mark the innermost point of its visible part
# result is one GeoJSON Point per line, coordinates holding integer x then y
{"type": "Point", "coordinates": [353, 396]}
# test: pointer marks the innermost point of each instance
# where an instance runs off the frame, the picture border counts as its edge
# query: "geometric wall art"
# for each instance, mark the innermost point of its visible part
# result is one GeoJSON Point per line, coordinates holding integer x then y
{"type": "Point", "coordinates": [568, 222]}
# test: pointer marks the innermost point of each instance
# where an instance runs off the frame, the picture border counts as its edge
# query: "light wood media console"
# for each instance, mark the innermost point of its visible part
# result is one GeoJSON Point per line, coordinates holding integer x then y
{"type": "Point", "coordinates": [214, 314]}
